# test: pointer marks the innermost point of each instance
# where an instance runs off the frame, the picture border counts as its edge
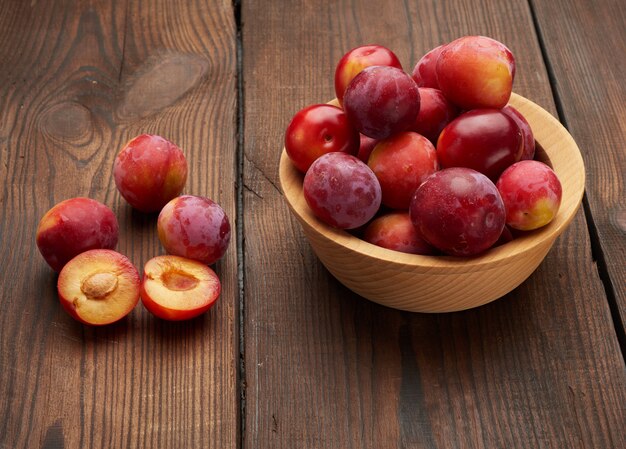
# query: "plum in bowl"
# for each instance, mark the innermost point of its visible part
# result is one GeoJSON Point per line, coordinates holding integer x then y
{"type": "Point", "coordinates": [446, 283]}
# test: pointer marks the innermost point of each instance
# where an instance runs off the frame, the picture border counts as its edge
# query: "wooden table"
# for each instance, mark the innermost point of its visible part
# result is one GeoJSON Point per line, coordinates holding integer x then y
{"type": "Point", "coordinates": [289, 358]}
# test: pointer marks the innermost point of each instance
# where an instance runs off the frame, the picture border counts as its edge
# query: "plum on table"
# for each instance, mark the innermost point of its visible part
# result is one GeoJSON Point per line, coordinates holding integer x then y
{"type": "Point", "coordinates": [99, 287]}
{"type": "Point", "coordinates": [74, 226]}
{"type": "Point", "coordinates": [149, 171]}
{"type": "Point", "coordinates": [176, 288]}
{"type": "Point", "coordinates": [194, 227]}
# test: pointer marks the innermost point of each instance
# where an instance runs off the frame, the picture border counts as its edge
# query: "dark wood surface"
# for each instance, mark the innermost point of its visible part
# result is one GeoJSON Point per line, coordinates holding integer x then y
{"type": "Point", "coordinates": [588, 80]}
{"type": "Point", "coordinates": [78, 80]}
{"type": "Point", "coordinates": [289, 358]}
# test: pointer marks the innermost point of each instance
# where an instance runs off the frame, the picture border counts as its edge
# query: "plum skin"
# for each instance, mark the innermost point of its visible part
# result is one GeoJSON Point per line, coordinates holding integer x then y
{"type": "Point", "coordinates": [531, 192]}
{"type": "Point", "coordinates": [316, 130]}
{"type": "Point", "coordinates": [342, 191]}
{"type": "Point", "coordinates": [74, 226]}
{"type": "Point", "coordinates": [476, 72]}
{"type": "Point", "coordinates": [401, 163]}
{"type": "Point", "coordinates": [149, 171]}
{"type": "Point", "coordinates": [425, 71]}
{"type": "Point", "coordinates": [395, 231]}
{"type": "Point", "coordinates": [458, 211]}
{"type": "Point", "coordinates": [435, 114]}
{"type": "Point", "coordinates": [366, 147]}
{"type": "Point", "coordinates": [529, 139]}
{"type": "Point", "coordinates": [381, 101]}
{"type": "Point", "coordinates": [486, 140]}
{"type": "Point", "coordinates": [355, 60]}
{"type": "Point", "coordinates": [194, 227]}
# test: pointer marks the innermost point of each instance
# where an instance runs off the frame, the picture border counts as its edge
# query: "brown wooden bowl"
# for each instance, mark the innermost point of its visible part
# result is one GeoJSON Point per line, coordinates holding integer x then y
{"type": "Point", "coordinates": [444, 283]}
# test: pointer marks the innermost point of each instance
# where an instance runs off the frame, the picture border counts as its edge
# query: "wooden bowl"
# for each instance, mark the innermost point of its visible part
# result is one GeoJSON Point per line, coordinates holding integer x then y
{"type": "Point", "coordinates": [444, 283]}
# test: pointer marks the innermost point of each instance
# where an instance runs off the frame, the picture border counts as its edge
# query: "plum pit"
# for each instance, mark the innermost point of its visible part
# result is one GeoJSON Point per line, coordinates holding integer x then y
{"type": "Point", "coordinates": [99, 285]}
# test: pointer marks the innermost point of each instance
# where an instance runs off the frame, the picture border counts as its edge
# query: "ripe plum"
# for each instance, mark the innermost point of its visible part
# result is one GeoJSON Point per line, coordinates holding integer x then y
{"type": "Point", "coordinates": [342, 191]}
{"type": "Point", "coordinates": [459, 211]}
{"type": "Point", "coordinates": [381, 101]}
{"type": "Point", "coordinates": [487, 140]}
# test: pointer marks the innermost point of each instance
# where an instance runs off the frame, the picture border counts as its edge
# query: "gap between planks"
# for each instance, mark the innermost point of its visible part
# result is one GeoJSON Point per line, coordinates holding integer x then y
{"type": "Point", "coordinates": [597, 254]}
{"type": "Point", "coordinates": [241, 373]}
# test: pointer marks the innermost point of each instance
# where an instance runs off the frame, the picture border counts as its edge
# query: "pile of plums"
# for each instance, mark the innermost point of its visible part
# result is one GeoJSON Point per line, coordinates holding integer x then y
{"type": "Point", "coordinates": [98, 285]}
{"type": "Point", "coordinates": [435, 162]}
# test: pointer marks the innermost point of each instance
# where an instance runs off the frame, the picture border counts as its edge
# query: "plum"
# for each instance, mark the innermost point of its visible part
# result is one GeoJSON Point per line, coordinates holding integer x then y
{"type": "Point", "coordinates": [351, 64]}
{"type": "Point", "coordinates": [435, 114]}
{"type": "Point", "coordinates": [458, 211]}
{"type": "Point", "coordinates": [74, 226]}
{"type": "Point", "coordinates": [342, 191]}
{"type": "Point", "coordinates": [425, 71]}
{"type": "Point", "coordinates": [194, 227]}
{"type": "Point", "coordinates": [149, 171]}
{"type": "Point", "coordinates": [99, 287]}
{"type": "Point", "coordinates": [487, 140]}
{"type": "Point", "coordinates": [176, 288]}
{"type": "Point", "coordinates": [476, 72]}
{"type": "Point", "coordinates": [381, 101]}
{"type": "Point", "coordinates": [395, 231]}
{"type": "Point", "coordinates": [366, 147]}
{"type": "Point", "coordinates": [401, 163]}
{"type": "Point", "coordinates": [316, 130]}
{"type": "Point", "coordinates": [531, 192]}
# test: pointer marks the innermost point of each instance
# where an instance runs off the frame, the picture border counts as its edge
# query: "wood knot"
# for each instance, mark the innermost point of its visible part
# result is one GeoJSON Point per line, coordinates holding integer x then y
{"type": "Point", "coordinates": [619, 218]}
{"type": "Point", "coordinates": [160, 83]}
{"type": "Point", "coordinates": [67, 121]}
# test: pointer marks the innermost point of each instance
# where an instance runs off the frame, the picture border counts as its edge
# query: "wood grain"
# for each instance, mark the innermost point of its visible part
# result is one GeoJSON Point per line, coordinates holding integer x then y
{"type": "Point", "coordinates": [325, 368]}
{"type": "Point", "coordinates": [77, 80]}
{"type": "Point", "coordinates": [582, 43]}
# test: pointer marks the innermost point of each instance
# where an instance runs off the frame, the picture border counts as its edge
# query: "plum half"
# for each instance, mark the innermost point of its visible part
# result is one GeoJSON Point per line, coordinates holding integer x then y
{"type": "Point", "coordinates": [176, 288]}
{"type": "Point", "coordinates": [99, 287]}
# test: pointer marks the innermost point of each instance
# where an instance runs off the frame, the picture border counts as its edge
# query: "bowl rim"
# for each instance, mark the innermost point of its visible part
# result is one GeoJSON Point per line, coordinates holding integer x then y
{"type": "Point", "coordinates": [561, 152]}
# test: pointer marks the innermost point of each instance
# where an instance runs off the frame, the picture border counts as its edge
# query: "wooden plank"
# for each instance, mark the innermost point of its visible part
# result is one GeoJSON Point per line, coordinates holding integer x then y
{"type": "Point", "coordinates": [79, 79]}
{"type": "Point", "coordinates": [324, 368]}
{"type": "Point", "coordinates": [583, 41]}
